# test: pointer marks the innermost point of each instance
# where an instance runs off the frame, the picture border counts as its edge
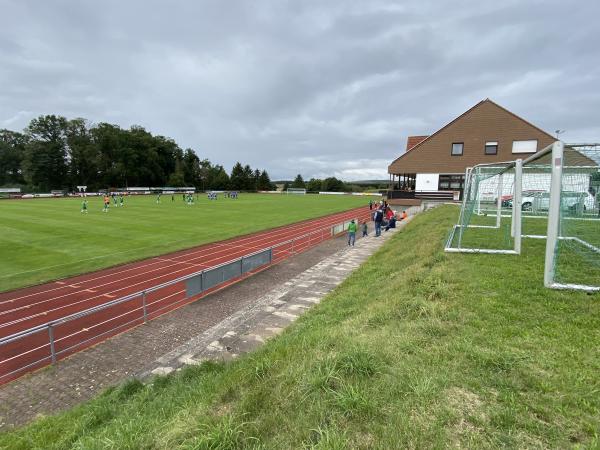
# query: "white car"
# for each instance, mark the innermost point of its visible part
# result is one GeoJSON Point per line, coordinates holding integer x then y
{"type": "Point", "coordinates": [541, 200]}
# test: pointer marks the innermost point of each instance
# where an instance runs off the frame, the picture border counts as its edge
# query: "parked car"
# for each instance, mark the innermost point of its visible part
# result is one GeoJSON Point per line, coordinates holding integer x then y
{"type": "Point", "coordinates": [541, 200]}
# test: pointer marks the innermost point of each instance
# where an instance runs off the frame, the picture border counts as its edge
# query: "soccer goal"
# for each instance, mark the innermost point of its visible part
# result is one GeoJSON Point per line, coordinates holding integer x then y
{"type": "Point", "coordinates": [552, 195]}
{"type": "Point", "coordinates": [573, 234]}
{"type": "Point", "coordinates": [300, 191]}
{"type": "Point", "coordinates": [487, 221]}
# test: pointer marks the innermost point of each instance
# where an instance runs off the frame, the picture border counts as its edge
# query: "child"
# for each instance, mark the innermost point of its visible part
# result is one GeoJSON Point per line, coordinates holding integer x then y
{"type": "Point", "coordinates": [365, 229]}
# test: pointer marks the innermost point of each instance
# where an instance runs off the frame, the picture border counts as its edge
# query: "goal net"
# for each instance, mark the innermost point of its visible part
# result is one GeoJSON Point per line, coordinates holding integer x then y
{"type": "Point", "coordinates": [300, 191]}
{"type": "Point", "coordinates": [573, 245]}
{"type": "Point", "coordinates": [486, 220]}
{"type": "Point", "coordinates": [553, 195]}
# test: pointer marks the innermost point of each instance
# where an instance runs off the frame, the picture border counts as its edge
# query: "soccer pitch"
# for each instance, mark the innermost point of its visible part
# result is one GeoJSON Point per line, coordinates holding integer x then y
{"type": "Point", "coordinates": [45, 239]}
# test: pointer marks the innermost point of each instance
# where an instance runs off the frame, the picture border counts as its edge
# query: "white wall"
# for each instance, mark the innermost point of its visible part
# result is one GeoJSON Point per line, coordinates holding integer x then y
{"type": "Point", "coordinates": [427, 182]}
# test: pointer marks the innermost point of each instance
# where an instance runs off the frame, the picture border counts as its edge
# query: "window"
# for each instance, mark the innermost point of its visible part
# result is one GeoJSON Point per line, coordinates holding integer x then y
{"type": "Point", "coordinates": [451, 182]}
{"type": "Point", "coordinates": [457, 149]}
{"type": "Point", "coordinates": [524, 146]}
{"type": "Point", "coordinates": [491, 148]}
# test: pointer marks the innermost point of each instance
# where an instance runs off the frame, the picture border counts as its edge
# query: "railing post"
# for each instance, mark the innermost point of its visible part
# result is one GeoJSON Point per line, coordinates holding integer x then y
{"type": "Point", "coordinates": [52, 349]}
{"type": "Point", "coordinates": [144, 307]}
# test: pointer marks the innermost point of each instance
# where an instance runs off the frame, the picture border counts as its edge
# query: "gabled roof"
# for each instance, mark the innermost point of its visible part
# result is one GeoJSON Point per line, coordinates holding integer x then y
{"type": "Point", "coordinates": [414, 140]}
{"type": "Point", "coordinates": [482, 102]}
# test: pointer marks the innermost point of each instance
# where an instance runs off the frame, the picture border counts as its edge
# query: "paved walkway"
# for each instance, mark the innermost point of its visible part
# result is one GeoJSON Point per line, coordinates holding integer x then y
{"type": "Point", "coordinates": [250, 327]}
{"type": "Point", "coordinates": [221, 326]}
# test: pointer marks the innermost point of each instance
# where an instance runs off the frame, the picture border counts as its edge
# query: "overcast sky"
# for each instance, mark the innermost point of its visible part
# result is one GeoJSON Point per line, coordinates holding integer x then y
{"type": "Point", "coordinates": [317, 87]}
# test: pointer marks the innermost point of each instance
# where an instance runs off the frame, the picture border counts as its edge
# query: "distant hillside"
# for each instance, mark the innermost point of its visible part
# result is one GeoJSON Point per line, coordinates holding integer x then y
{"type": "Point", "coordinates": [369, 182]}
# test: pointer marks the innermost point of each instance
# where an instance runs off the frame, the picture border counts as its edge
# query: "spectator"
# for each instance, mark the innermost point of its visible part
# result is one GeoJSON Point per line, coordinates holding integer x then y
{"type": "Point", "coordinates": [391, 223]}
{"type": "Point", "coordinates": [365, 229]}
{"type": "Point", "coordinates": [378, 218]}
{"type": "Point", "coordinates": [404, 215]}
{"type": "Point", "coordinates": [351, 233]}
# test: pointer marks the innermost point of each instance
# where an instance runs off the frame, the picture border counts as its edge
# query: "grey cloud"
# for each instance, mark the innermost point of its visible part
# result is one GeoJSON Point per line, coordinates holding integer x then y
{"type": "Point", "coordinates": [317, 87]}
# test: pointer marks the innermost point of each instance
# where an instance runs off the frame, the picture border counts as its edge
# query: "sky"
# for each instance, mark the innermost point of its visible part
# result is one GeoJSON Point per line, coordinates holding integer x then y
{"type": "Point", "coordinates": [322, 88]}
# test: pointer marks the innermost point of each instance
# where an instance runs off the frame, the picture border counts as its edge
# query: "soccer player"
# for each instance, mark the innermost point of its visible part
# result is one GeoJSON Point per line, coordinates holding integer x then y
{"type": "Point", "coordinates": [158, 198]}
{"type": "Point", "coordinates": [84, 206]}
{"type": "Point", "coordinates": [114, 197]}
{"type": "Point", "coordinates": [106, 203]}
{"type": "Point", "coordinates": [121, 200]}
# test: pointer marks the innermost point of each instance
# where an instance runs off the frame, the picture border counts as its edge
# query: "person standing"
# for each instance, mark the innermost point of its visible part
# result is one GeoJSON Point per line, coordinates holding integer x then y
{"type": "Point", "coordinates": [84, 209]}
{"type": "Point", "coordinates": [365, 229]}
{"type": "Point", "coordinates": [370, 205]}
{"type": "Point", "coordinates": [351, 233]}
{"type": "Point", "coordinates": [378, 219]}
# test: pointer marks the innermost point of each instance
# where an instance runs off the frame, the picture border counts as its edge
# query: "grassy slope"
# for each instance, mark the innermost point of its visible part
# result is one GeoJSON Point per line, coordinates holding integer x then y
{"type": "Point", "coordinates": [44, 239]}
{"type": "Point", "coordinates": [416, 349]}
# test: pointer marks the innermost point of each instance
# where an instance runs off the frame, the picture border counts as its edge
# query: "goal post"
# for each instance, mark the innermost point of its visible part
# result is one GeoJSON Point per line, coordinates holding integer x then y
{"type": "Point", "coordinates": [297, 191]}
{"type": "Point", "coordinates": [573, 231]}
{"type": "Point", "coordinates": [553, 195]}
{"type": "Point", "coordinates": [486, 224]}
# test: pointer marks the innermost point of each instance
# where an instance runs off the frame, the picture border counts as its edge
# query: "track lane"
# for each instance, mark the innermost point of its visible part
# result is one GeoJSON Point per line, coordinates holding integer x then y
{"type": "Point", "coordinates": [33, 352]}
{"type": "Point", "coordinates": [24, 310]}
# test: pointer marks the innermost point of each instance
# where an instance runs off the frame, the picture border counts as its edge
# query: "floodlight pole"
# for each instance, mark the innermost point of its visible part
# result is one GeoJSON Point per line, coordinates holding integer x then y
{"type": "Point", "coordinates": [553, 212]}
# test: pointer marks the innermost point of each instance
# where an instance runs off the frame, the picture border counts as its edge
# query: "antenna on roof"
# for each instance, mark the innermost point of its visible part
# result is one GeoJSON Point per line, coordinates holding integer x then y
{"type": "Point", "coordinates": [559, 132]}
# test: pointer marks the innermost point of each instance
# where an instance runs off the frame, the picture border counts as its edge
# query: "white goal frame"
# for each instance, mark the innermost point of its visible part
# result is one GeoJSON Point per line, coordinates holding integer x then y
{"type": "Point", "coordinates": [553, 232]}
{"type": "Point", "coordinates": [296, 191]}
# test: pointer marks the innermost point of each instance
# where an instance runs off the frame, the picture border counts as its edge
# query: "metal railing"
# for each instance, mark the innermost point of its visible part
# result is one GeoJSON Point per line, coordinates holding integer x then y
{"type": "Point", "coordinates": [45, 344]}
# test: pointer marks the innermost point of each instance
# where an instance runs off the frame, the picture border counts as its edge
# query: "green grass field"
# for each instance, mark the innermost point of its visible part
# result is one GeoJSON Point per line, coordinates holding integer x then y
{"type": "Point", "coordinates": [575, 262]}
{"type": "Point", "coordinates": [45, 239]}
{"type": "Point", "coordinates": [416, 349]}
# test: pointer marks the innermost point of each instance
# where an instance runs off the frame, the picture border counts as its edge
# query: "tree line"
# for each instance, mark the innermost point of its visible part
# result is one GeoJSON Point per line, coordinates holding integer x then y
{"type": "Point", "coordinates": [54, 153]}
{"type": "Point", "coordinates": [330, 184]}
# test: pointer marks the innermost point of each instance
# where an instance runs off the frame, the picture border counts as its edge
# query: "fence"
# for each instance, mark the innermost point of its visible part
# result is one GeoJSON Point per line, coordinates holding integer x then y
{"type": "Point", "coordinates": [46, 344]}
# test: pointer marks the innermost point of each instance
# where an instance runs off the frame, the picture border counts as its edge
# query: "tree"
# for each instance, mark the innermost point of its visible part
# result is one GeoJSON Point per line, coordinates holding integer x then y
{"type": "Point", "coordinates": [218, 178]}
{"type": "Point", "coordinates": [298, 182]}
{"type": "Point", "coordinates": [45, 162]}
{"type": "Point", "coordinates": [84, 157]}
{"type": "Point", "coordinates": [332, 184]}
{"type": "Point", "coordinates": [12, 153]}
{"type": "Point", "coordinates": [314, 185]}
{"type": "Point", "coordinates": [191, 169]}
{"type": "Point", "coordinates": [264, 182]}
{"type": "Point", "coordinates": [256, 179]}
{"type": "Point", "coordinates": [236, 180]}
{"type": "Point", "coordinates": [248, 178]}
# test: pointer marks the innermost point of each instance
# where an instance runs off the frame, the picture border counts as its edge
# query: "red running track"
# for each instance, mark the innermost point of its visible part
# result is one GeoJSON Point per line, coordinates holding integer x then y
{"type": "Point", "coordinates": [29, 307]}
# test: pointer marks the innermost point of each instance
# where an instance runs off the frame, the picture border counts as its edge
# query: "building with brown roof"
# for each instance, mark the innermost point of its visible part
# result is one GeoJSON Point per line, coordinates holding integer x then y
{"type": "Point", "coordinates": [434, 166]}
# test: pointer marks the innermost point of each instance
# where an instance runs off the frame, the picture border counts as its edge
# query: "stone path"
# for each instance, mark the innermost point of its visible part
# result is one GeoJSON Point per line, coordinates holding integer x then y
{"type": "Point", "coordinates": [250, 327]}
